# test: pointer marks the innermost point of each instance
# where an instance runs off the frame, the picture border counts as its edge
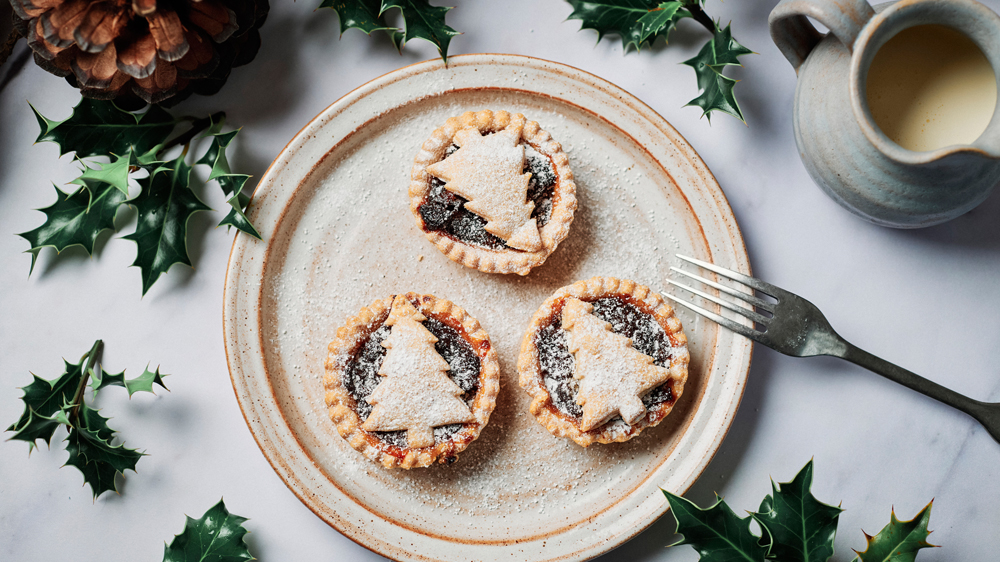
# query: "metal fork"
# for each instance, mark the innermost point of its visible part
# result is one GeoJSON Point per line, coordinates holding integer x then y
{"type": "Point", "coordinates": [794, 326]}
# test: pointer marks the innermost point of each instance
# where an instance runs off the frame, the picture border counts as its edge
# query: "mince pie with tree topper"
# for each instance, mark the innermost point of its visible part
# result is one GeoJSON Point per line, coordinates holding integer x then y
{"type": "Point", "coordinates": [411, 380]}
{"type": "Point", "coordinates": [493, 191]}
{"type": "Point", "coordinates": [603, 359]}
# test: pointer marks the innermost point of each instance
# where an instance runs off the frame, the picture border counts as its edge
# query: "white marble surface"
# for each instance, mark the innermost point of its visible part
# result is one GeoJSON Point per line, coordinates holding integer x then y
{"type": "Point", "coordinates": [927, 300]}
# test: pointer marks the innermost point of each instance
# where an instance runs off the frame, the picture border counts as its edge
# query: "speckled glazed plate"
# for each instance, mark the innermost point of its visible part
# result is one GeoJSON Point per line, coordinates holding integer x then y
{"type": "Point", "coordinates": [338, 234]}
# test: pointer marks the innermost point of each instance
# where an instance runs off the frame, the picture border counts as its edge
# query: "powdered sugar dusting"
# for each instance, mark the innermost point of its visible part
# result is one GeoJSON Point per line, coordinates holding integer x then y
{"type": "Point", "coordinates": [350, 238]}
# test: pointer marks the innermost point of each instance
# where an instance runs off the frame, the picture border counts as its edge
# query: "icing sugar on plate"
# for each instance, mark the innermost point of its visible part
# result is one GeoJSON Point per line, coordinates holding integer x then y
{"type": "Point", "coordinates": [339, 234]}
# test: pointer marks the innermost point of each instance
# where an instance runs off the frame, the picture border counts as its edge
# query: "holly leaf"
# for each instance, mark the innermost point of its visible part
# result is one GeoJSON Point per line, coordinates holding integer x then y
{"type": "Point", "coordinates": [106, 379]}
{"type": "Point", "coordinates": [231, 184]}
{"type": "Point", "coordinates": [659, 21]}
{"type": "Point", "coordinates": [717, 89]}
{"type": "Point", "coordinates": [76, 219]}
{"type": "Point", "coordinates": [801, 527]}
{"type": "Point", "coordinates": [899, 541]}
{"type": "Point", "coordinates": [101, 128]}
{"type": "Point", "coordinates": [637, 22]}
{"type": "Point", "coordinates": [365, 15]}
{"type": "Point", "coordinates": [716, 533]}
{"type": "Point", "coordinates": [145, 381]}
{"type": "Point", "coordinates": [114, 173]}
{"type": "Point", "coordinates": [42, 400]}
{"type": "Point", "coordinates": [217, 537]}
{"type": "Point", "coordinates": [422, 21]}
{"type": "Point", "coordinates": [90, 451]}
{"type": "Point", "coordinates": [165, 206]}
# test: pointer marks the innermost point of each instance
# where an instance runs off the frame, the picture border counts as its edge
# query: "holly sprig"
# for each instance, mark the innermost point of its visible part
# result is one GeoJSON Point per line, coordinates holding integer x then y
{"type": "Point", "coordinates": [639, 23]}
{"type": "Point", "coordinates": [218, 536]}
{"type": "Point", "coordinates": [420, 20]}
{"type": "Point", "coordinates": [135, 146]}
{"type": "Point", "coordinates": [49, 404]}
{"type": "Point", "coordinates": [795, 527]}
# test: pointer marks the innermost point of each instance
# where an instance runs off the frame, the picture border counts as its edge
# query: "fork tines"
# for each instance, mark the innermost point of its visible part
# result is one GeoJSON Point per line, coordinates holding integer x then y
{"type": "Point", "coordinates": [753, 300]}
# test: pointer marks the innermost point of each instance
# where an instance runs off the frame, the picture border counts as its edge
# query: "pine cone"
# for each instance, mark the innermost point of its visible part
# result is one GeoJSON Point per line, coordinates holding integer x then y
{"type": "Point", "coordinates": [148, 50]}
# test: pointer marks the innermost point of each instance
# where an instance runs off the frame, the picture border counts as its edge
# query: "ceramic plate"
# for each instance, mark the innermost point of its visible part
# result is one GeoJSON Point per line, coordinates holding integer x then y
{"type": "Point", "coordinates": [338, 234]}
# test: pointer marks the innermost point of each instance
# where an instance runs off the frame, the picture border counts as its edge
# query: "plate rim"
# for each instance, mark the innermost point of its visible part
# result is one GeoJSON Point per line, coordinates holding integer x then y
{"type": "Point", "coordinates": [731, 229]}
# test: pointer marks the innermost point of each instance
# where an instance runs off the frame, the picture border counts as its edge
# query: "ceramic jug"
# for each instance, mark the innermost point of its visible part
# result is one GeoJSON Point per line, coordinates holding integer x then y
{"type": "Point", "coordinates": [840, 144]}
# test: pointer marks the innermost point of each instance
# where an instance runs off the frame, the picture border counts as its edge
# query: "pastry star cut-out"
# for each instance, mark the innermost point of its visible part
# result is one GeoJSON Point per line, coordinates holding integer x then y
{"type": "Point", "coordinates": [416, 394]}
{"type": "Point", "coordinates": [488, 171]}
{"type": "Point", "coordinates": [613, 375]}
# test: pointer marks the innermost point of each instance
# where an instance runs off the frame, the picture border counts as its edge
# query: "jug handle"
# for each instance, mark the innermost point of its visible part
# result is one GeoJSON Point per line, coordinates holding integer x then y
{"type": "Point", "coordinates": [796, 37]}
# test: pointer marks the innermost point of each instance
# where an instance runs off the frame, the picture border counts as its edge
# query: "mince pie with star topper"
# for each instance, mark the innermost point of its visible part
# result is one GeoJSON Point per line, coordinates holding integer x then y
{"type": "Point", "coordinates": [493, 191]}
{"type": "Point", "coordinates": [603, 359]}
{"type": "Point", "coordinates": [411, 380]}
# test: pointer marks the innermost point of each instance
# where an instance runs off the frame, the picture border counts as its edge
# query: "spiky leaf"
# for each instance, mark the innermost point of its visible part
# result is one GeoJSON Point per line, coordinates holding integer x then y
{"type": "Point", "coordinates": [145, 381]}
{"type": "Point", "coordinates": [100, 128]}
{"type": "Point", "coordinates": [106, 379]}
{"type": "Point", "coordinates": [42, 400]}
{"type": "Point", "coordinates": [231, 184]}
{"type": "Point", "coordinates": [114, 173]}
{"type": "Point", "coordinates": [717, 89]}
{"type": "Point", "coordinates": [76, 219]}
{"type": "Point", "coordinates": [90, 451]}
{"type": "Point", "coordinates": [365, 15]}
{"type": "Point", "coordinates": [716, 533]}
{"type": "Point", "coordinates": [899, 541]}
{"type": "Point", "coordinates": [637, 22]}
{"type": "Point", "coordinates": [165, 206]}
{"type": "Point", "coordinates": [423, 21]}
{"type": "Point", "coordinates": [660, 21]}
{"type": "Point", "coordinates": [801, 527]}
{"type": "Point", "coordinates": [216, 537]}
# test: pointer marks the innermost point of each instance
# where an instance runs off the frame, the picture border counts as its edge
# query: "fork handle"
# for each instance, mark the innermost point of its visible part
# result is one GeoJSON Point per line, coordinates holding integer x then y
{"type": "Point", "coordinates": [914, 381]}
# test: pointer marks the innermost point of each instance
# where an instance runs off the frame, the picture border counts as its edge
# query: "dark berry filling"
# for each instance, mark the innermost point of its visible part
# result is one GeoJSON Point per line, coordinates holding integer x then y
{"type": "Point", "coordinates": [361, 376]}
{"type": "Point", "coordinates": [556, 362]}
{"type": "Point", "coordinates": [444, 211]}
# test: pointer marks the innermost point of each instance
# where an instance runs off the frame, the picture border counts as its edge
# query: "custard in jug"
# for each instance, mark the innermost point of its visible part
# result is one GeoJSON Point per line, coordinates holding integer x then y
{"type": "Point", "coordinates": [930, 87]}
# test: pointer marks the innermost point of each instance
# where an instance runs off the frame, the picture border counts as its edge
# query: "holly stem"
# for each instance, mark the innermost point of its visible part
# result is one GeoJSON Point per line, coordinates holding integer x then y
{"type": "Point", "coordinates": [92, 357]}
{"type": "Point", "coordinates": [197, 126]}
{"type": "Point", "coordinates": [701, 17]}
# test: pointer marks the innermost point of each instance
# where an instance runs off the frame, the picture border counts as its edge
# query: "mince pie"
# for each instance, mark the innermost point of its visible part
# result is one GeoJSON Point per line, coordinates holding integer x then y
{"type": "Point", "coordinates": [603, 359]}
{"type": "Point", "coordinates": [411, 381]}
{"type": "Point", "coordinates": [493, 191]}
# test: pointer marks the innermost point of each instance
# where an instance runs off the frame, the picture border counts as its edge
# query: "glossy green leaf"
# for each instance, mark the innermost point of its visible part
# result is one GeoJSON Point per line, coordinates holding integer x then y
{"type": "Point", "coordinates": [100, 128]}
{"type": "Point", "coordinates": [142, 383]}
{"type": "Point", "coordinates": [218, 536]}
{"type": "Point", "coordinates": [423, 21]}
{"type": "Point", "coordinates": [231, 184]}
{"type": "Point", "coordinates": [90, 451]}
{"type": "Point", "coordinates": [899, 541]}
{"type": "Point", "coordinates": [76, 219]}
{"type": "Point", "coordinates": [717, 89]}
{"type": "Point", "coordinates": [145, 381]}
{"type": "Point", "coordinates": [106, 379]}
{"type": "Point", "coordinates": [716, 533]}
{"type": "Point", "coordinates": [365, 15]}
{"type": "Point", "coordinates": [800, 527]}
{"type": "Point", "coordinates": [165, 206]}
{"type": "Point", "coordinates": [660, 21]}
{"type": "Point", "coordinates": [632, 20]}
{"type": "Point", "coordinates": [114, 173]}
{"type": "Point", "coordinates": [42, 400]}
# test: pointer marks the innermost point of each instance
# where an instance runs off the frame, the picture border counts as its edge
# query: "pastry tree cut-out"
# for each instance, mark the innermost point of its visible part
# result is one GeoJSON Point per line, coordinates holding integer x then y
{"type": "Point", "coordinates": [416, 394]}
{"type": "Point", "coordinates": [613, 375]}
{"type": "Point", "coordinates": [488, 171]}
